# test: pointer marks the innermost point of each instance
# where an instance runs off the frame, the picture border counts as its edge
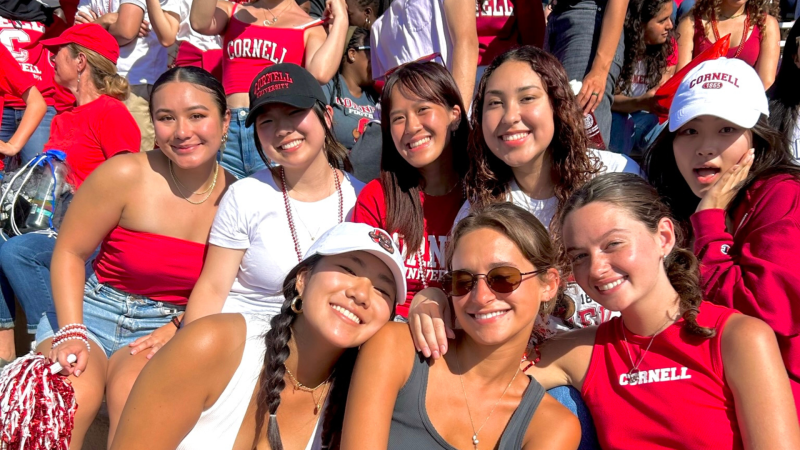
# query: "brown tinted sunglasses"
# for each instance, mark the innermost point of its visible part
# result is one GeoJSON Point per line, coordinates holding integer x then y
{"type": "Point", "coordinates": [501, 280]}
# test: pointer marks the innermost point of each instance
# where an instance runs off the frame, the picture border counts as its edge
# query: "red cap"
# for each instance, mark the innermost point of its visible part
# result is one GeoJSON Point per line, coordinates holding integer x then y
{"type": "Point", "coordinates": [88, 35]}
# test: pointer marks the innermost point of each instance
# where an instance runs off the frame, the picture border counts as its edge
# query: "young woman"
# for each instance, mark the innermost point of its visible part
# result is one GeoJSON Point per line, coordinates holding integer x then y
{"type": "Point", "coordinates": [585, 35]}
{"type": "Point", "coordinates": [419, 191]}
{"type": "Point", "coordinates": [268, 220]}
{"type": "Point", "coordinates": [351, 93]}
{"type": "Point", "coordinates": [721, 152]}
{"type": "Point", "coordinates": [650, 58]}
{"type": "Point", "coordinates": [97, 128]}
{"type": "Point", "coordinates": [501, 272]}
{"type": "Point", "coordinates": [784, 106]}
{"type": "Point", "coordinates": [716, 366]}
{"type": "Point", "coordinates": [752, 24]}
{"type": "Point", "coordinates": [152, 213]}
{"type": "Point", "coordinates": [336, 298]}
{"type": "Point", "coordinates": [257, 35]}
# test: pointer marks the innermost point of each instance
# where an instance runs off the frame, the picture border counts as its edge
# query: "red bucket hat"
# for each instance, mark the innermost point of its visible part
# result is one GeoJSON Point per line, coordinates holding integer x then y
{"type": "Point", "coordinates": [88, 35]}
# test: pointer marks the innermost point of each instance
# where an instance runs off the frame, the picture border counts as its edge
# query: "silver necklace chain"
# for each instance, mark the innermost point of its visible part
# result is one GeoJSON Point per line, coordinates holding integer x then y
{"type": "Point", "coordinates": [633, 374]}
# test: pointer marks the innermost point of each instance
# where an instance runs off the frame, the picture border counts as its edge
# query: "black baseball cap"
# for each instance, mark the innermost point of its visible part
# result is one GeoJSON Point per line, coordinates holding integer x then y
{"type": "Point", "coordinates": [283, 83]}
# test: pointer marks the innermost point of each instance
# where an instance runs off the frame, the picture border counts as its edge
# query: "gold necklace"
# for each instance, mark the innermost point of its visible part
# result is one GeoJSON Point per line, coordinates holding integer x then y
{"type": "Point", "coordinates": [298, 386]}
{"type": "Point", "coordinates": [209, 191]}
{"type": "Point", "coordinates": [475, 440]}
{"type": "Point", "coordinates": [267, 22]}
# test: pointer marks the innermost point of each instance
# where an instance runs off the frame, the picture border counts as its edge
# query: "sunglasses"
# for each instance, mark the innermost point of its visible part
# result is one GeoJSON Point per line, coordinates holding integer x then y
{"type": "Point", "coordinates": [502, 280]}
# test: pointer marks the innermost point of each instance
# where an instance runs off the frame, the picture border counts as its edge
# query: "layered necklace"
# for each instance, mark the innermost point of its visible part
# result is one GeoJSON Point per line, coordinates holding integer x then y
{"type": "Point", "coordinates": [207, 192]}
{"type": "Point", "coordinates": [298, 386]}
{"type": "Point", "coordinates": [475, 432]}
{"type": "Point", "coordinates": [744, 33]}
{"type": "Point", "coordinates": [288, 206]}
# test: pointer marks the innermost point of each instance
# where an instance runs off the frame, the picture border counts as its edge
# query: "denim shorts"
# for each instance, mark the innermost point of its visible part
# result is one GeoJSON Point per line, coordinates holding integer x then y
{"type": "Point", "coordinates": [114, 318]}
{"type": "Point", "coordinates": [240, 156]}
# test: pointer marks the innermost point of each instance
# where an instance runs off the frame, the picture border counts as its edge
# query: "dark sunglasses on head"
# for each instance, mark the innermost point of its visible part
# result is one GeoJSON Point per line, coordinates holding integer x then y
{"type": "Point", "coordinates": [501, 280]}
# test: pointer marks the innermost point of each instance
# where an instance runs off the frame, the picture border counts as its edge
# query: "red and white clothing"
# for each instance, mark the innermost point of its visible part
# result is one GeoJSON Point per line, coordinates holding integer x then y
{"type": "Point", "coordinates": [22, 39]}
{"type": "Point", "coordinates": [438, 212]}
{"type": "Point", "coordinates": [498, 24]}
{"type": "Point", "coordinates": [195, 49]}
{"type": "Point", "coordinates": [754, 266]}
{"type": "Point", "coordinates": [249, 48]}
{"type": "Point", "coordinates": [679, 399]}
{"type": "Point", "coordinates": [92, 133]}
{"type": "Point", "coordinates": [639, 82]}
{"type": "Point", "coordinates": [13, 81]}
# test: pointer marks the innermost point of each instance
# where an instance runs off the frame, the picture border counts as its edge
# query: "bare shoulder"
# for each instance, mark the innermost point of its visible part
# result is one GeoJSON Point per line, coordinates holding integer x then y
{"type": "Point", "coordinates": [393, 335]}
{"type": "Point", "coordinates": [389, 354]}
{"type": "Point", "coordinates": [746, 333]}
{"type": "Point", "coordinates": [573, 342]}
{"type": "Point", "coordinates": [564, 359]}
{"type": "Point", "coordinates": [124, 170]}
{"type": "Point", "coordinates": [214, 335]}
{"type": "Point", "coordinates": [552, 426]}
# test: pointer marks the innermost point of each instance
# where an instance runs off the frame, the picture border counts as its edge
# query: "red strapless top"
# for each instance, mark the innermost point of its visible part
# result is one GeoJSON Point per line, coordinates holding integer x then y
{"type": "Point", "coordinates": [249, 48]}
{"type": "Point", "coordinates": [162, 268]}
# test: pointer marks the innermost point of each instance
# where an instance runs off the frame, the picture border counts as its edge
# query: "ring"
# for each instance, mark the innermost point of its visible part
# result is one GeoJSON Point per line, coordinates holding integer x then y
{"type": "Point", "coordinates": [595, 94]}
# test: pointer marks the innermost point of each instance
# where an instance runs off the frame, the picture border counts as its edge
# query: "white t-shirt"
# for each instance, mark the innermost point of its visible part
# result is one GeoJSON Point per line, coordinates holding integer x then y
{"type": "Point", "coordinates": [638, 82]}
{"type": "Point", "coordinates": [407, 31]}
{"type": "Point", "coordinates": [143, 60]}
{"type": "Point", "coordinates": [187, 33]}
{"type": "Point", "coordinates": [252, 217]}
{"type": "Point", "coordinates": [587, 311]}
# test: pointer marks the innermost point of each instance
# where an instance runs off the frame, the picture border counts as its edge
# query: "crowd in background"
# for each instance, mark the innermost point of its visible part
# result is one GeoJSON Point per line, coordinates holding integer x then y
{"type": "Point", "coordinates": [358, 199]}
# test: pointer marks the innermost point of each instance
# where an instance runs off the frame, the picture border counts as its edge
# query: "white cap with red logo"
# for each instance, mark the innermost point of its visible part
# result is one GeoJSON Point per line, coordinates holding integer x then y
{"type": "Point", "coordinates": [726, 88]}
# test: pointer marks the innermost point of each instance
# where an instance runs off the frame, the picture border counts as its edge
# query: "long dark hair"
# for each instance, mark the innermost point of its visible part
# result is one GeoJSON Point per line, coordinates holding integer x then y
{"type": "Point", "coordinates": [633, 194]}
{"type": "Point", "coordinates": [196, 76]}
{"type": "Point", "coordinates": [488, 178]}
{"type": "Point", "coordinates": [654, 57]}
{"type": "Point", "coordinates": [334, 152]}
{"type": "Point", "coordinates": [401, 181]}
{"type": "Point", "coordinates": [784, 106]}
{"type": "Point", "coordinates": [772, 157]}
{"type": "Point", "coordinates": [271, 382]}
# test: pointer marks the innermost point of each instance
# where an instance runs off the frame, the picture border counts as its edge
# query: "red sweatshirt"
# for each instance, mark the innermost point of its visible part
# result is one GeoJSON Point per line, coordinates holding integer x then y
{"type": "Point", "coordinates": [757, 269]}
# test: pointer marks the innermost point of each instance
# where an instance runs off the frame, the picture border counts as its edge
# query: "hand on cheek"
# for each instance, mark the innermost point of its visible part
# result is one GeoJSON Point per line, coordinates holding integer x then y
{"type": "Point", "coordinates": [722, 192]}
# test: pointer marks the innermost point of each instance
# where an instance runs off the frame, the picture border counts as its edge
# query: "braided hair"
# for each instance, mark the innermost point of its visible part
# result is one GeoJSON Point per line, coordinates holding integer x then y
{"type": "Point", "coordinates": [271, 382]}
{"type": "Point", "coordinates": [633, 194]}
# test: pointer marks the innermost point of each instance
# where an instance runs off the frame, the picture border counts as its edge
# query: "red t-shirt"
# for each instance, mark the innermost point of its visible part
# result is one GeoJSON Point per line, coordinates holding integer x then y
{"type": "Point", "coordinates": [22, 40]}
{"type": "Point", "coordinates": [681, 398]}
{"type": "Point", "coordinates": [439, 212]}
{"type": "Point", "coordinates": [498, 24]}
{"type": "Point", "coordinates": [13, 81]}
{"type": "Point", "coordinates": [92, 133]}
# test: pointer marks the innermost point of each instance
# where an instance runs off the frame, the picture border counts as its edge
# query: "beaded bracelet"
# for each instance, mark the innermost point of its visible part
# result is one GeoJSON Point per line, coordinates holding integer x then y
{"type": "Point", "coordinates": [72, 331]}
{"type": "Point", "coordinates": [69, 338]}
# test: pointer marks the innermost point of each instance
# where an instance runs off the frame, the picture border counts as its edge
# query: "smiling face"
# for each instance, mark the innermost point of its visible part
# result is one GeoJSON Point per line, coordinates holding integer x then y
{"type": "Point", "coordinates": [657, 29]}
{"type": "Point", "coordinates": [517, 120]}
{"type": "Point", "coordinates": [420, 128]}
{"type": "Point", "coordinates": [616, 259]}
{"type": "Point", "coordinates": [188, 124]}
{"type": "Point", "coordinates": [706, 147]}
{"type": "Point", "coordinates": [347, 298]}
{"type": "Point", "coordinates": [488, 317]}
{"type": "Point", "coordinates": [290, 136]}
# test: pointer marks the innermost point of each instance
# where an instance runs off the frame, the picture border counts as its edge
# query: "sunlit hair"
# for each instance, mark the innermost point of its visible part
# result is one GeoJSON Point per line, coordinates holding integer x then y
{"type": "Point", "coordinates": [487, 180]}
{"type": "Point", "coordinates": [104, 72]}
{"type": "Point", "coordinates": [641, 201]}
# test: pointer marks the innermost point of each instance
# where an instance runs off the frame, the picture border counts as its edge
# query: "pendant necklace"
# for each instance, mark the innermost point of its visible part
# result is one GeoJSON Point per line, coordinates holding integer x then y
{"type": "Point", "coordinates": [633, 374]}
{"type": "Point", "coordinates": [298, 386]}
{"type": "Point", "coordinates": [475, 433]}
{"type": "Point", "coordinates": [267, 22]}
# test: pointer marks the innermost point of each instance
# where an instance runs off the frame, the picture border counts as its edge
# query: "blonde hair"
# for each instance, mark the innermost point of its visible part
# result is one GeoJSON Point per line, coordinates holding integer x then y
{"type": "Point", "coordinates": [104, 73]}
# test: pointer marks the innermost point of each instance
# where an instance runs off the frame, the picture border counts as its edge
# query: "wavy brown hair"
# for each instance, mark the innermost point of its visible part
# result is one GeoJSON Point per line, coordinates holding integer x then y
{"type": "Point", "coordinates": [487, 180]}
{"type": "Point", "coordinates": [654, 57]}
{"type": "Point", "coordinates": [757, 11]}
{"type": "Point", "coordinates": [642, 202]}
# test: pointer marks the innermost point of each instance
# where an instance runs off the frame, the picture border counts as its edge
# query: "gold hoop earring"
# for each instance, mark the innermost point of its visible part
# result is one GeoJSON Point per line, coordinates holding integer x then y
{"type": "Point", "coordinates": [366, 22]}
{"type": "Point", "coordinates": [297, 305]}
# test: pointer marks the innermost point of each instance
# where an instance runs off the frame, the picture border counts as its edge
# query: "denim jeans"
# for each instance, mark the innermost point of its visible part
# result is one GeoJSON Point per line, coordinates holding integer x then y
{"type": "Point", "coordinates": [25, 264]}
{"type": "Point", "coordinates": [630, 132]}
{"type": "Point", "coordinates": [11, 119]}
{"type": "Point", "coordinates": [571, 398]}
{"type": "Point", "coordinates": [114, 318]}
{"type": "Point", "coordinates": [572, 37]}
{"type": "Point", "coordinates": [240, 156]}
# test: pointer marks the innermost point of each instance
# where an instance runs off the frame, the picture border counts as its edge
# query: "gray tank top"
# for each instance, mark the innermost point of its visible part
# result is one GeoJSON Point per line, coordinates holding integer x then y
{"type": "Point", "coordinates": [411, 427]}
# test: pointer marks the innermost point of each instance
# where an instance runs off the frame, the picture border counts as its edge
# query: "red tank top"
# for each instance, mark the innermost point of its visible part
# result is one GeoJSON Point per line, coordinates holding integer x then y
{"type": "Point", "coordinates": [249, 48]}
{"type": "Point", "coordinates": [681, 400]}
{"type": "Point", "coordinates": [749, 54]}
{"type": "Point", "coordinates": [162, 268]}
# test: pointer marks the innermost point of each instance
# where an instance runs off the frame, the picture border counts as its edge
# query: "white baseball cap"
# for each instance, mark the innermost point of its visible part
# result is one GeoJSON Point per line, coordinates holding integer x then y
{"type": "Point", "coordinates": [726, 88]}
{"type": "Point", "coordinates": [350, 237]}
